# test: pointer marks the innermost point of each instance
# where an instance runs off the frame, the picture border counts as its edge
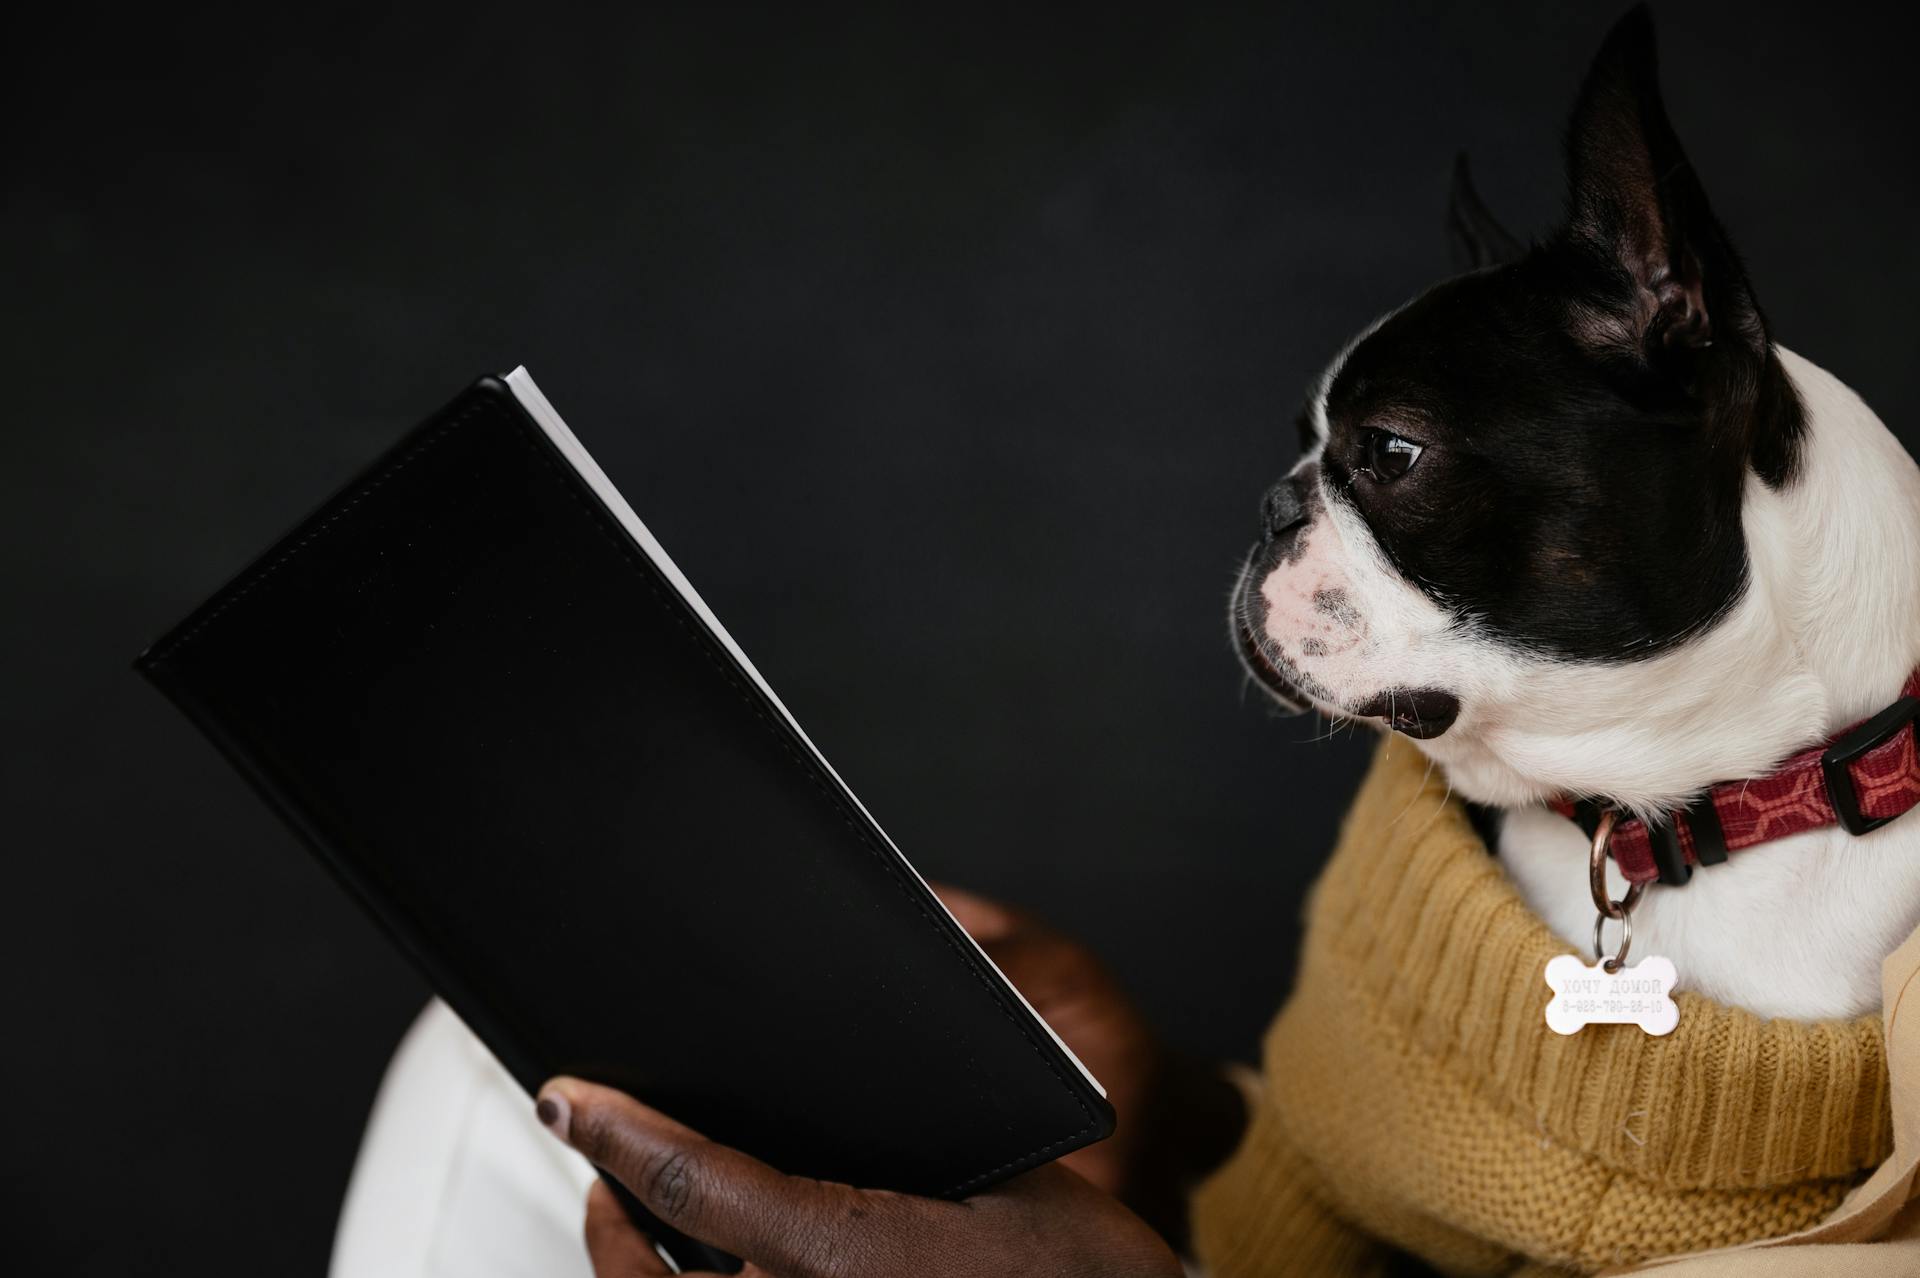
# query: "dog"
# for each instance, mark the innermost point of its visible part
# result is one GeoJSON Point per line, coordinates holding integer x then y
{"type": "Point", "coordinates": [1573, 524]}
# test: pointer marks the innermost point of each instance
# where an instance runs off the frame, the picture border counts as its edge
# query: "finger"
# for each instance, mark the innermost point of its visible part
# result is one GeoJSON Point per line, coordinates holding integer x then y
{"type": "Point", "coordinates": [615, 1244]}
{"type": "Point", "coordinates": [790, 1224]}
{"type": "Point", "coordinates": [985, 920]}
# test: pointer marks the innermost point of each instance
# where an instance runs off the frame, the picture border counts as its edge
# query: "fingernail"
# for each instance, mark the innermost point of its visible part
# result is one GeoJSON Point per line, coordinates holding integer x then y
{"type": "Point", "coordinates": [554, 1113]}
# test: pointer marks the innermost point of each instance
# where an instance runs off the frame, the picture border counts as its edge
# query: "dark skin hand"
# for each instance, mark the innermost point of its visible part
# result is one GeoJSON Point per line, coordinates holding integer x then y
{"type": "Point", "coordinates": [1177, 1119]}
{"type": "Point", "coordinates": [1064, 1219]}
{"type": "Point", "coordinates": [1048, 1221]}
{"type": "Point", "coordinates": [1075, 994]}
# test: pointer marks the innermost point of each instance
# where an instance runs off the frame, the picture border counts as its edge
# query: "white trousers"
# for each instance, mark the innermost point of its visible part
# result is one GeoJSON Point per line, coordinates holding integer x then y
{"type": "Point", "coordinates": [455, 1177]}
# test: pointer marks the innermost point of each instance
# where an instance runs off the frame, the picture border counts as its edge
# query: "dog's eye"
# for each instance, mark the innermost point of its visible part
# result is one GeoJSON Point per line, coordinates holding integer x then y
{"type": "Point", "coordinates": [1389, 456]}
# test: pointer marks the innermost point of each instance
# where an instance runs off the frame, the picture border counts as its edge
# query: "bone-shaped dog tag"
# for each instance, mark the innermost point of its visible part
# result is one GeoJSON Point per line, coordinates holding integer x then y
{"type": "Point", "coordinates": [1638, 995]}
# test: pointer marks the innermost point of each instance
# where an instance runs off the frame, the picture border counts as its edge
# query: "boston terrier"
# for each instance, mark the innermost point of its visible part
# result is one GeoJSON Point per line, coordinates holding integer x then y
{"type": "Point", "coordinates": [1579, 529]}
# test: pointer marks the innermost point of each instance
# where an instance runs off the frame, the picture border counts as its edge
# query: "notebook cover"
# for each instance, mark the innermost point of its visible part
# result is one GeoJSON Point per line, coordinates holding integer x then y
{"type": "Point", "coordinates": [471, 691]}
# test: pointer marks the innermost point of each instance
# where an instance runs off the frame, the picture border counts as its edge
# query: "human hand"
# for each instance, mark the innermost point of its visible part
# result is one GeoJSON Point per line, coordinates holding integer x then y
{"type": "Point", "coordinates": [1049, 1221]}
{"type": "Point", "coordinates": [1176, 1120]}
{"type": "Point", "coordinates": [1073, 992]}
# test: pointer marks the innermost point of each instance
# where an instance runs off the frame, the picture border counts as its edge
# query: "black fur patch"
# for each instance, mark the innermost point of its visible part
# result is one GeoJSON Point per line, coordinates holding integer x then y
{"type": "Point", "coordinates": [1420, 713]}
{"type": "Point", "coordinates": [1589, 410]}
{"type": "Point", "coordinates": [1568, 502]}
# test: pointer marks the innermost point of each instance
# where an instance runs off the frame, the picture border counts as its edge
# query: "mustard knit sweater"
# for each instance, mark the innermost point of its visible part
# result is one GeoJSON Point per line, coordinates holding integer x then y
{"type": "Point", "coordinates": [1414, 1097]}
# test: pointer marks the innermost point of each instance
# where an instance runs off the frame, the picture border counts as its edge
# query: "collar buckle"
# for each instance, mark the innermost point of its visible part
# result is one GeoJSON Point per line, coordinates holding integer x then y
{"type": "Point", "coordinates": [1871, 735]}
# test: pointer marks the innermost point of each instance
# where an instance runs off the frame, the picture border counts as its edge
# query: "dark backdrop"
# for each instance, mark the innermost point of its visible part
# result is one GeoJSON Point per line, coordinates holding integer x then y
{"type": "Point", "coordinates": [948, 357]}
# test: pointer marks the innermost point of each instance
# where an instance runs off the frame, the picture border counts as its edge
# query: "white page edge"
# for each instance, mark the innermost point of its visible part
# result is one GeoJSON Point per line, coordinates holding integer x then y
{"type": "Point", "coordinates": [521, 383]}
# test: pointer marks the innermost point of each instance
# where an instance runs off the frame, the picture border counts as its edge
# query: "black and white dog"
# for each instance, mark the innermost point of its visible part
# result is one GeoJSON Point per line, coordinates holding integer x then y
{"type": "Point", "coordinates": [1576, 525]}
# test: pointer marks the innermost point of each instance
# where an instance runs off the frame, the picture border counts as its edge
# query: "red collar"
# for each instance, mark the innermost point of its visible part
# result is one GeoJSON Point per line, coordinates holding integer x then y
{"type": "Point", "coordinates": [1862, 779]}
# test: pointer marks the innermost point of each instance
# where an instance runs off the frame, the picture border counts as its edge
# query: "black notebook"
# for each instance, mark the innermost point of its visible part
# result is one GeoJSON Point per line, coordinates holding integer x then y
{"type": "Point", "coordinates": [481, 692]}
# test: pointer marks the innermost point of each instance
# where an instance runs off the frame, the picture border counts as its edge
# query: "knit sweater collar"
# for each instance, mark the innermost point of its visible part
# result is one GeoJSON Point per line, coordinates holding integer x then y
{"type": "Point", "coordinates": [1425, 920]}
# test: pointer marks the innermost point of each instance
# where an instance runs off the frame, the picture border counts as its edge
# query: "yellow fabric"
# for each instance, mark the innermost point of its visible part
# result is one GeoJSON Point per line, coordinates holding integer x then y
{"type": "Point", "coordinates": [1875, 1233]}
{"type": "Point", "coordinates": [1414, 1097]}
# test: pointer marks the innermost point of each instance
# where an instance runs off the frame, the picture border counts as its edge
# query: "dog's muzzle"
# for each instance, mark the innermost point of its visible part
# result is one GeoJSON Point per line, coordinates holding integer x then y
{"type": "Point", "coordinates": [1253, 657]}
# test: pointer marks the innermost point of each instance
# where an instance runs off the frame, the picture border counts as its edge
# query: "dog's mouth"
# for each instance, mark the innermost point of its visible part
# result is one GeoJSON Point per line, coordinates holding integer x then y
{"type": "Point", "coordinates": [1253, 655]}
{"type": "Point", "coordinates": [1420, 713]}
{"type": "Point", "coordinates": [1292, 691]}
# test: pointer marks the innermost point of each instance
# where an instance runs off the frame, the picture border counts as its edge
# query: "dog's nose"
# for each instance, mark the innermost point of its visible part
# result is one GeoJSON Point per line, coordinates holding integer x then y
{"type": "Point", "coordinates": [1284, 508]}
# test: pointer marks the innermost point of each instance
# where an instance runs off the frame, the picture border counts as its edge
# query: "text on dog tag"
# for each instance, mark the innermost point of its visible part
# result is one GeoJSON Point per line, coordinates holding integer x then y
{"type": "Point", "coordinates": [1590, 995]}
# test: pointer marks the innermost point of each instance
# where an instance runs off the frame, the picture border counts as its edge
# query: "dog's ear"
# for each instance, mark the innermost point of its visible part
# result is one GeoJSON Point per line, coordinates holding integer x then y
{"type": "Point", "coordinates": [1476, 236]}
{"type": "Point", "coordinates": [1634, 200]}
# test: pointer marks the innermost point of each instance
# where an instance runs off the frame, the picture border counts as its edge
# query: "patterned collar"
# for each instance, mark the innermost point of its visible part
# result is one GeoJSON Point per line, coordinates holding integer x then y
{"type": "Point", "coordinates": [1862, 779]}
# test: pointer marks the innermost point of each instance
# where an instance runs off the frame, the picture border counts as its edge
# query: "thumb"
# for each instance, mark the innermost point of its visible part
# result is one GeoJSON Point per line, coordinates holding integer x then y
{"type": "Point", "coordinates": [705, 1190]}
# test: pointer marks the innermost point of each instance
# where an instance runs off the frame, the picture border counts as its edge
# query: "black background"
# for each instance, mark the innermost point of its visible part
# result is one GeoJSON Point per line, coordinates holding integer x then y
{"type": "Point", "coordinates": [948, 357]}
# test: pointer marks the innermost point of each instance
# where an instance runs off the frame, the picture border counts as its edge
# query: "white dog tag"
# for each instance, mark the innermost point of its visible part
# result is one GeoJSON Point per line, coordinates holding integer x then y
{"type": "Point", "coordinates": [1638, 995]}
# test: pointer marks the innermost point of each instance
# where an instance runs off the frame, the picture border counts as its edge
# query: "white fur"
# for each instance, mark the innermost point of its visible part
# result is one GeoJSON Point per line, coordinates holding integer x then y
{"type": "Point", "coordinates": [1826, 632]}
